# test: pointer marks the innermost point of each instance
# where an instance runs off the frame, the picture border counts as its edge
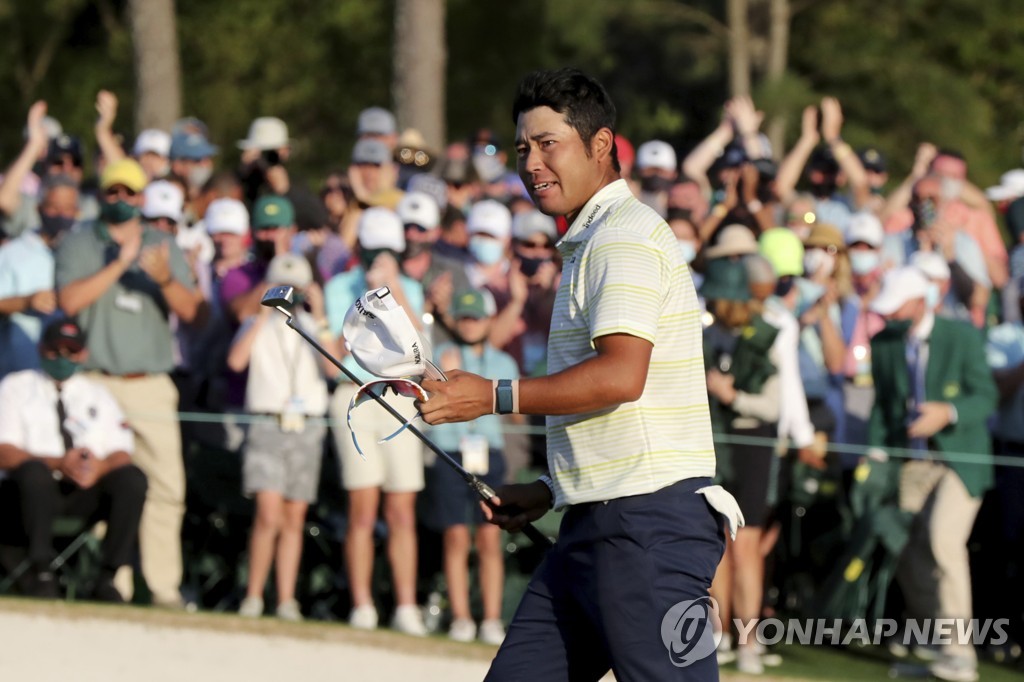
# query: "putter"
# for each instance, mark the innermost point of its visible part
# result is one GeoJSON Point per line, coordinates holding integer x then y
{"type": "Point", "coordinates": [282, 298]}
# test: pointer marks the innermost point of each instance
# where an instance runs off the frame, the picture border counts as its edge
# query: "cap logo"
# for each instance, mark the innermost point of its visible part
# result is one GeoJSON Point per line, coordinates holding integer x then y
{"type": "Point", "coordinates": [363, 311]}
{"type": "Point", "coordinates": [271, 209]}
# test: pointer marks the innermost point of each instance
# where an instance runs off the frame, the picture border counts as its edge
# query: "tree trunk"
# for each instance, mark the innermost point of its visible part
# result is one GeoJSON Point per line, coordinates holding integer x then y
{"type": "Point", "coordinates": [778, 57]}
{"type": "Point", "coordinates": [157, 64]}
{"type": "Point", "coordinates": [420, 58]}
{"type": "Point", "coordinates": [739, 47]}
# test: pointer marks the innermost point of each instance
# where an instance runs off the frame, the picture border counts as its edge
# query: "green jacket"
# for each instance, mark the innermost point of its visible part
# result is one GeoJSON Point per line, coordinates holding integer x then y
{"type": "Point", "coordinates": [957, 373]}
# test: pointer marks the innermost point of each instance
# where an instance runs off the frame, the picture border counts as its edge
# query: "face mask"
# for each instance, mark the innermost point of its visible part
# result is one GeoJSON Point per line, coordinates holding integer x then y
{"type": "Point", "coordinates": [808, 293]}
{"type": "Point", "coordinates": [932, 296]}
{"type": "Point", "coordinates": [864, 262]}
{"type": "Point", "coordinates": [688, 249]}
{"type": "Point", "coordinates": [530, 266]}
{"type": "Point", "coordinates": [819, 262]}
{"type": "Point", "coordinates": [264, 250]}
{"type": "Point", "coordinates": [118, 212]}
{"type": "Point", "coordinates": [898, 327]}
{"type": "Point", "coordinates": [485, 250]}
{"type": "Point", "coordinates": [655, 184]}
{"type": "Point", "coordinates": [367, 256]}
{"type": "Point", "coordinates": [59, 368]}
{"type": "Point", "coordinates": [823, 190]}
{"type": "Point", "coordinates": [53, 225]}
{"type": "Point", "coordinates": [198, 176]}
{"type": "Point", "coordinates": [951, 188]}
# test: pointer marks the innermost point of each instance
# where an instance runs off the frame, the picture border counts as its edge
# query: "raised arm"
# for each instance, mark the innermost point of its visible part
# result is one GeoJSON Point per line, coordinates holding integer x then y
{"type": "Point", "coordinates": [698, 161]}
{"type": "Point", "coordinates": [792, 165]}
{"type": "Point", "coordinates": [106, 106]}
{"type": "Point", "coordinates": [849, 162]}
{"type": "Point", "coordinates": [35, 146]}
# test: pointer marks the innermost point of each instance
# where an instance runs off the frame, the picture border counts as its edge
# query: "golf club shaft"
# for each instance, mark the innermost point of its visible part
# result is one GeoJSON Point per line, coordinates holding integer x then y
{"type": "Point", "coordinates": [482, 489]}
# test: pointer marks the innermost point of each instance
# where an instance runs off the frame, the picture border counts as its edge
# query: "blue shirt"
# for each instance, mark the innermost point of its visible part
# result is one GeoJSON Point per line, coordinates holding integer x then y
{"type": "Point", "coordinates": [491, 364]}
{"type": "Point", "coordinates": [343, 290]}
{"type": "Point", "coordinates": [26, 266]}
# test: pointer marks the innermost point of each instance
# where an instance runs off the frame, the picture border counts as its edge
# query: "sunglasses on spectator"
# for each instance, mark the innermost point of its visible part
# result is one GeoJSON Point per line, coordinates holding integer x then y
{"type": "Point", "coordinates": [379, 388]}
{"type": "Point", "coordinates": [120, 190]}
{"type": "Point", "coordinates": [417, 228]}
{"type": "Point", "coordinates": [543, 244]}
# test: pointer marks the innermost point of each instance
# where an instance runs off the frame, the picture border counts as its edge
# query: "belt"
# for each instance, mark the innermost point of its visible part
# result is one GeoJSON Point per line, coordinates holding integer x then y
{"type": "Point", "coordinates": [127, 375]}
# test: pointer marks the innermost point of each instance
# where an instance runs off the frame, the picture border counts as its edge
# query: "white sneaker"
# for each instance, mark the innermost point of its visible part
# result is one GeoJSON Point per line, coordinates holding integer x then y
{"type": "Point", "coordinates": [749, 661]}
{"type": "Point", "coordinates": [289, 610]}
{"type": "Point", "coordinates": [492, 632]}
{"type": "Point", "coordinates": [768, 659]}
{"type": "Point", "coordinates": [462, 630]}
{"type": "Point", "coordinates": [408, 619]}
{"type": "Point", "coordinates": [955, 669]}
{"type": "Point", "coordinates": [723, 649]}
{"type": "Point", "coordinates": [251, 607]}
{"type": "Point", "coordinates": [363, 617]}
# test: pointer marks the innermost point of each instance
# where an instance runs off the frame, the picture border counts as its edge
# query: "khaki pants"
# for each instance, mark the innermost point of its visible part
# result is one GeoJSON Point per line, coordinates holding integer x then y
{"type": "Point", "coordinates": [934, 571]}
{"type": "Point", "coordinates": [150, 405]}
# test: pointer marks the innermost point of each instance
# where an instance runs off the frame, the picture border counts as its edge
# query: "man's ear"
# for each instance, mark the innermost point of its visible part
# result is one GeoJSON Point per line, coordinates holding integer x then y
{"type": "Point", "coordinates": [602, 143]}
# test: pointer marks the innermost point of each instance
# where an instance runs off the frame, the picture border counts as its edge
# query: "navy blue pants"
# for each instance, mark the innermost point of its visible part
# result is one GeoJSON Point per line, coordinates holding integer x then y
{"type": "Point", "coordinates": [600, 598]}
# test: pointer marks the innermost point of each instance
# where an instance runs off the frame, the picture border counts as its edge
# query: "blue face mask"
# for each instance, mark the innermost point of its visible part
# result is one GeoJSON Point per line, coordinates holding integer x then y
{"type": "Point", "coordinates": [932, 296]}
{"type": "Point", "coordinates": [864, 262]}
{"type": "Point", "coordinates": [688, 249]}
{"type": "Point", "coordinates": [486, 250]}
{"type": "Point", "coordinates": [809, 293]}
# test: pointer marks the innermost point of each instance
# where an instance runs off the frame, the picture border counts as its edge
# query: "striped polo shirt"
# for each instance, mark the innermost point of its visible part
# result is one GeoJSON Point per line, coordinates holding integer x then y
{"type": "Point", "coordinates": [623, 273]}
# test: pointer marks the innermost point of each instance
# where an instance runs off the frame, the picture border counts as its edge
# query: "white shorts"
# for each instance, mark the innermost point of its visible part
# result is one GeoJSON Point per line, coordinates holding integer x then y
{"type": "Point", "coordinates": [396, 466]}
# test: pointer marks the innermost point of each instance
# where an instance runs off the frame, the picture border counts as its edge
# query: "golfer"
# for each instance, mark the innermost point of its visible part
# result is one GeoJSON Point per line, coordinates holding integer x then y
{"type": "Point", "coordinates": [629, 434]}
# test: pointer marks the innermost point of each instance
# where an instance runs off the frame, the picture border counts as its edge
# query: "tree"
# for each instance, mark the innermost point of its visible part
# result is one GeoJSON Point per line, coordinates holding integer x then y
{"type": "Point", "coordinates": [157, 65]}
{"type": "Point", "coordinates": [420, 59]}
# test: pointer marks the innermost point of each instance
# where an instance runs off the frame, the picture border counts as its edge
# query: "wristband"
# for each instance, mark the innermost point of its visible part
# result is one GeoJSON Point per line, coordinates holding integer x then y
{"type": "Point", "coordinates": [515, 396]}
{"type": "Point", "coordinates": [503, 402]}
{"type": "Point", "coordinates": [719, 211]}
{"type": "Point", "coordinates": [755, 206]}
{"type": "Point", "coordinates": [546, 480]}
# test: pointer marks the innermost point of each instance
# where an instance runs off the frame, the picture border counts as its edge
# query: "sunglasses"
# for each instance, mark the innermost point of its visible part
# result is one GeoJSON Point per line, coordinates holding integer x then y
{"type": "Point", "coordinates": [369, 392]}
{"type": "Point", "coordinates": [544, 244]}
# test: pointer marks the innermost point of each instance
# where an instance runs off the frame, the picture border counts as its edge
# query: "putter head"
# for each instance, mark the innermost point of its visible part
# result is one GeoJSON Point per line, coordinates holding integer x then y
{"type": "Point", "coordinates": [279, 297]}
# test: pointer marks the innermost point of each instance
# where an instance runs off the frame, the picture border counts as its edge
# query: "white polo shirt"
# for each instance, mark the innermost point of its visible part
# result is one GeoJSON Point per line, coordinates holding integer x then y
{"type": "Point", "coordinates": [28, 416]}
{"type": "Point", "coordinates": [623, 273]}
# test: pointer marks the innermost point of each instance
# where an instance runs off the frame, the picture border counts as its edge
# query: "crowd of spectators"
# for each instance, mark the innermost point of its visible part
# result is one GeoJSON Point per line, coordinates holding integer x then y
{"type": "Point", "coordinates": [854, 323]}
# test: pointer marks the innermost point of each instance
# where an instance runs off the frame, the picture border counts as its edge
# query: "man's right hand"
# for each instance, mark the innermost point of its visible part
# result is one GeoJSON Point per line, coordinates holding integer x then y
{"type": "Point", "coordinates": [131, 246]}
{"type": "Point", "coordinates": [80, 466]}
{"type": "Point", "coordinates": [38, 138]}
{"type": "Point", "coordinates": [518, 505]}
{"type": "Point", "coordinates": [44, 301]}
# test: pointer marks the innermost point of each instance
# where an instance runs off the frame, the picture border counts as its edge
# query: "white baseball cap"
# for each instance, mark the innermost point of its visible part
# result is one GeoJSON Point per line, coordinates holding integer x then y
{"type": "Point", "coordinates": [153, 141]}
{"type": "Point", "coordinates": [383, 340]}
{"type": "Point", "coordinates": [227, 215]}
{"type": "Point", "coordinates": [865, 227]}
{"type": "Point", "coordinates": [419, 208]}
{"type": "Point", "coordinates": [526, 223]}
{"type": "Point", "coordinates": [291, 269]}
{"type": "Point", "coordinates": [899, 285]}
{"type": "Point", "coordinates": [656, 154]}
{"type": "Point", "coordinates": [933, 265]}
{"type": "Point", "coordinates": [1011, 186]}
{"type": "Point", "coordinates": [266, 132]}
{"type": "Point", "coordinates": [381, 228]}
{"type": "Point", "coordinates": [490, 217]}
{"type": "Point", "coordinates": [163, 199]}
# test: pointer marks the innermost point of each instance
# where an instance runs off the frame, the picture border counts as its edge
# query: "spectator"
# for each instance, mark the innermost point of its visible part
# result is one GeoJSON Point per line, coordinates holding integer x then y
{"type": "Point", "coordinates": [681, 222]}
{"type": "Point", "coordinates": [395, 467]}
{"type": "Point", "coordinates": [192, 159]}
{"type": "Point", "coordinates": [934, 394]}
{"type": "Point", "coordinates": [123, 279]}
{"type": "Point", "coordinates": [377, 123]}
{"type": "Point", "coordinates": [478, 447]}
{"type": "Point", "coordinates": [372, 174]}
{"type": "Point", "coordinates": [534, 274]}
{"type": "Point", "coordinates": [876, 169]}
{"type": "Point", "coordinates": [286, 388]}
{"type": "Point", "coordinates": [153, 152]}
{"type": "Point", "coordinates": [656, 171]}
{"type": "Point", "coordinates": [413, 156]}
{"type": "Point", "coordinates": [18, 210]}
{"type": "Point", "coordinates": [66, 450]}
{"type": "Point", "coordinates": [744, 391]}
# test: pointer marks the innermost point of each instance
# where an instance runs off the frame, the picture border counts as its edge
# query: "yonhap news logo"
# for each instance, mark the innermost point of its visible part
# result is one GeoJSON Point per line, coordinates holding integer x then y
{"type": "Point", "coordinates": [688, 631]}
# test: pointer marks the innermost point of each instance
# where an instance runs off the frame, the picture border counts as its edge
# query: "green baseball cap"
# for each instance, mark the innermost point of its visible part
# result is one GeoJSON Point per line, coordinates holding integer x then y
{"type": "Point", "coordinates": [471, 303]}
{"type": "Point", "coordinates": [272, 211]}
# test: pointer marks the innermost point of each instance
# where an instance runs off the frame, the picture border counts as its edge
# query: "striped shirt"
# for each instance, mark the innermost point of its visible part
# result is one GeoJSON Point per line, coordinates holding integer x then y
{"type": "Point", "coordinates": [623, 273]}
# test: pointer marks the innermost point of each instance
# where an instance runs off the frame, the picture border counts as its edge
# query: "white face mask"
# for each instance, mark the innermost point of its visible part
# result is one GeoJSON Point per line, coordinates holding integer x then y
{"type": "Point", "coordinates": [863, 261]}
{"type": "Point", "coordinates": [689, 250]}
{"type": "Point", "coordinates": [819, 262]}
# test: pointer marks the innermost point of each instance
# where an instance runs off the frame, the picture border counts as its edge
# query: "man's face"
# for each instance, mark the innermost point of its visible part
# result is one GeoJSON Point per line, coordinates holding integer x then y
{"type": "Point", "coordinates": [414, 234]}
{"type": "Point", "coordinates": [116, 193]}
{"type": "Point", "coordinates": [65, 164]}
{"type": "Point", "coordinates": [60, 202]}
{"type": "Point", "coordinates": [228, 246]}
{"type": "Point", "coordinates": [472, 330]}
{"type": "Point", "coordinates": [155, 165]}
{"type": "Point", "coordinates": [370, 174]}
{"type": "Point", "coordinates": [560, 172]}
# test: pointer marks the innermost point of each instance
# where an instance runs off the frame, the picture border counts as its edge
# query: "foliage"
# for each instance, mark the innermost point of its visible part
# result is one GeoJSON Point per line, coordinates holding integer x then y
{"type": "Point", "coordinates": [941, 70]}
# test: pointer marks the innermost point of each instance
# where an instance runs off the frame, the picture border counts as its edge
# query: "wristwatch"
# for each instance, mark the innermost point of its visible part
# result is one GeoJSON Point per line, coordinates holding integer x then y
{"type": "Point", "coordinates": [503, 397]}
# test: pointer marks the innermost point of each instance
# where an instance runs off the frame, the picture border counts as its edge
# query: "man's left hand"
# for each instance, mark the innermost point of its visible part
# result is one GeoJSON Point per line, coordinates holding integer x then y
{"type": "Point", "coordinates": [934, 417]}
{"type": "Point", "coordinates": [463, 397]}
{"type": "Point", "coordinates": [155, 261]}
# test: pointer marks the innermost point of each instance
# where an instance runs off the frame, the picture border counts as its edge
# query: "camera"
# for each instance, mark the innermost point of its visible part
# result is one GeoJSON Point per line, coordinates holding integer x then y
{"type": "Point", "coordinates": [271, 157]}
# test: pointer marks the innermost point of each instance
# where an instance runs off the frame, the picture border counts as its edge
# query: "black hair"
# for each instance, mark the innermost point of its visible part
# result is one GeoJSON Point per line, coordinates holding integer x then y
{"type": "Point", "coordinates": [581, 99]}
